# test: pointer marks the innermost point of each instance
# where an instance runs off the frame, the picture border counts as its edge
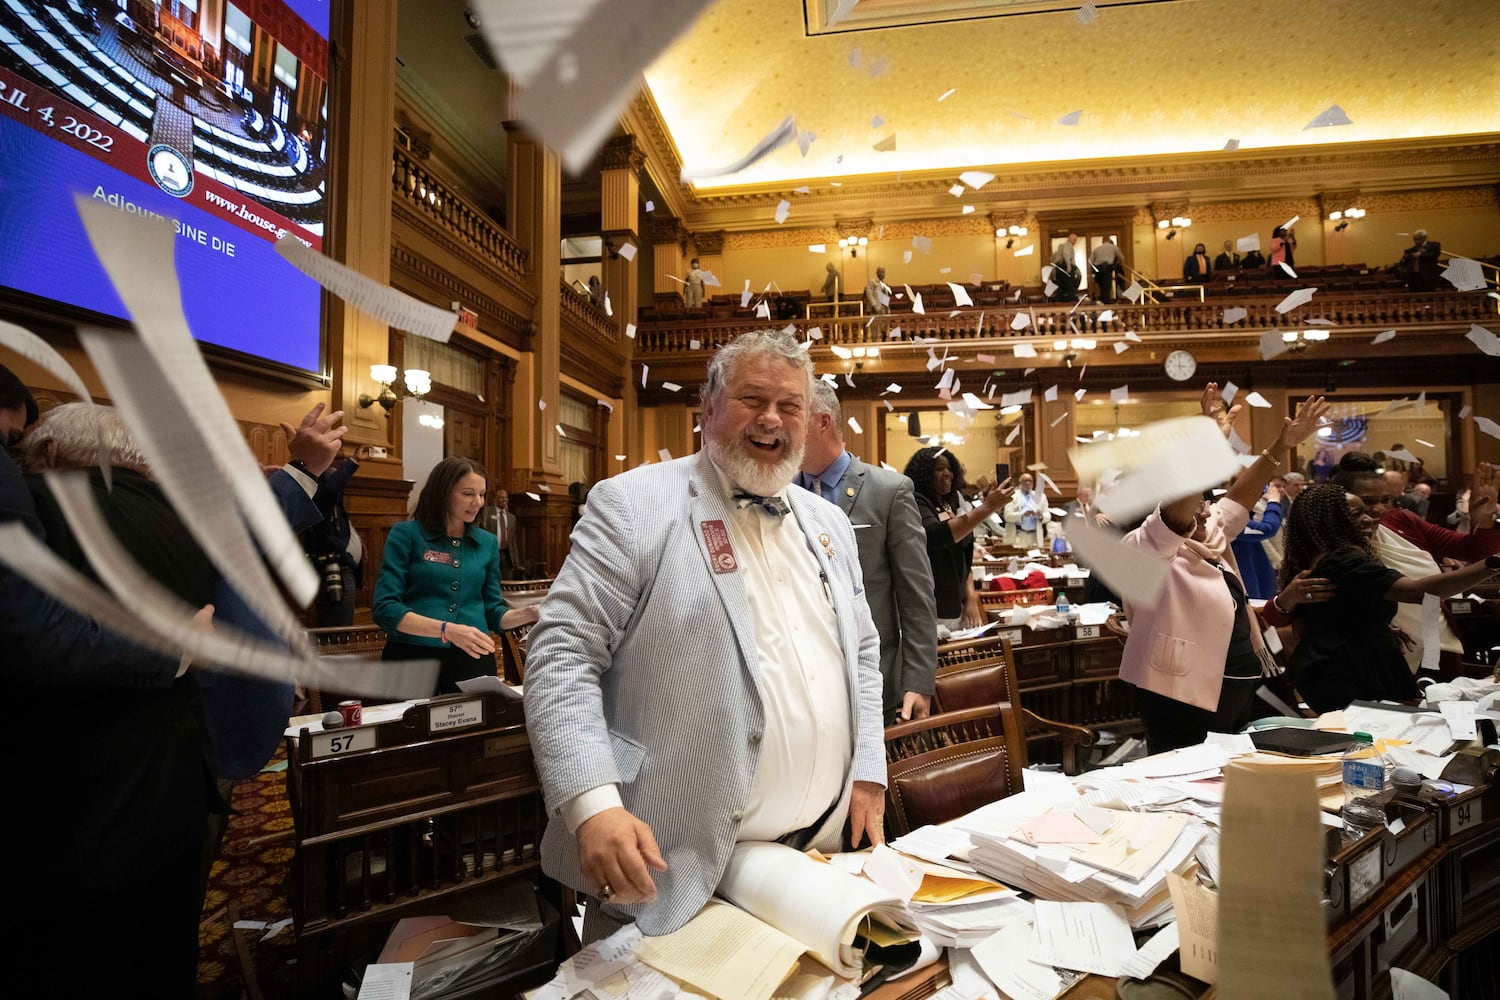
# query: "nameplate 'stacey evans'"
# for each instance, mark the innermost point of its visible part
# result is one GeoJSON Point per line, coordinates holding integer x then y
{"type": "Point", "coordinates": [455, 715]}
{"type": "Point", "coordinates": [720, 548]}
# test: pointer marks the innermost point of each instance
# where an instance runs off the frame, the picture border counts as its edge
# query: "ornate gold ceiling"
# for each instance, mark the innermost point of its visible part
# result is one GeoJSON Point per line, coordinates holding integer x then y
{"type": "Point", "coordinates": [1158, 78]}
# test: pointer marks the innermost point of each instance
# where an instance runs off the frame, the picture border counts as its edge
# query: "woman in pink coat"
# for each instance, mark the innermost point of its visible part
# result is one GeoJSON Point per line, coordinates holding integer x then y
{"type": "Point", "coordinates": [1196, 650]}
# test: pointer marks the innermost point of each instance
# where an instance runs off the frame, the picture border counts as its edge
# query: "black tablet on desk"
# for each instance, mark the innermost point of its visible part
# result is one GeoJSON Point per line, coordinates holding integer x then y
{"type": "Point", "coordinates": [1301, 742]}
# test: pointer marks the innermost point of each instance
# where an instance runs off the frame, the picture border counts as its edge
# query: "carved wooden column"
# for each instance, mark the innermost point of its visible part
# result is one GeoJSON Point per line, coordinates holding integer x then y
{"type": "Point", "coordinates": [619, 214]}
{"type": "Point", "coordinates": [359, 224]}
{"type": "Point", "coordinates": [669, 255]}
{"type": "Point", "coordinates": [535, 208]}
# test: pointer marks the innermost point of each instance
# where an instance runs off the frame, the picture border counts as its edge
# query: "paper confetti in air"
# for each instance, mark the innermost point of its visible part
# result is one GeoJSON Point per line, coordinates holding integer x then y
{"type": "Point", "coordinates": [560, 431]}
{"type": "Point", "coordinates": [1234, 314]}
{"type": "Point", "coordinates": [1256, 399]}
{"type": "Point", "coordinates": [1488, 426]}
{"type": "Point", "coordinates": [630, 330]}
{"type": "Point", "coordinates": [973, 402]}
{"type": "Point", "coordinates": [893, 387]}
{"type": "Point", "coordinates": [967, 210]}
{"type": "Point", "coordinates": [957, 190]}
{"type": "Point", "coordinates": [1080, 394]}
{"type": "Point", "coordinates": [1464, 413]}
{"type": "Point", "coordinates": [694, 345]}
{"type": "Point", "coordinates": [783, 209]}
{"type": "Point", "coordinates": [645, 369]}
{"type": "Point", "coordinates": [1121, 347]}
{"type": "Point", "coordinates": [1381, 338]}
{"type": "Point", "coordinates": [671, 386]}
{"type": "Point", "coordinates": [541, 404]}
{"type": "Point", "coordinates": [1484, 340]}
{"type": "Point", "coordinates": [1021, 397]}
{"type": "Point", "coordinates": [922, 243]}
{"type": "Point", "coordinates": [665, 454]}
{"type": "Point", "coordinates": [1087, 14]}
{"type": "Point", "coordinates": [1119, 394]}
{"type": "Point", "coordinates": [1464, 274]}
{"type": "Point", "coordinates": [1425, 444]}
{"type": "Point", "coordinates": [1015, 432]}
{"type": "Point", "coordinates": [1025, 251]}
{"type": "Point", "coordinates": [1050, 395]}
{"type": "Point", "coordinates": [628, 251]}
{"type": "Point", "coordinates": [947, 93]}
{"type": "Point", "coordinates": [960, 295]}
{"type": "Point", "coordinates": [1228, 392]}
{"type": "Point", "coordinates": [886, 145]}
{"type": "Point", "coordinates": [1231, 145]}
{"type": "Point", "coordinates": [854, 426]}
{"type": "Point", "coordinates": [1021, 321]}
{"type": "Point", "coordinates": [1071, 118]}
{"type": "Point", "coordinates": [650, 205]}
{"type": "Point", "coordinates": [1060, 418]}
{"type": "Point", "coordinates": [1271, 345]}
{"type": "Point", "coordinates": [1024, 351]}
{"type": "Point", "coordinates": [1134, 292]}
{"type": "Point", "coordinates": [976, 179]}
{"type": "Point", "coordinates": [1333, 116]}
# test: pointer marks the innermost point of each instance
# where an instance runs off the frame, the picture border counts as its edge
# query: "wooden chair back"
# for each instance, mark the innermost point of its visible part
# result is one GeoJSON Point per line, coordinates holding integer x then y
{"type": "Point", "coordinates": [946, 765]}
{"type": "Point", "coordinates": [975, 672]}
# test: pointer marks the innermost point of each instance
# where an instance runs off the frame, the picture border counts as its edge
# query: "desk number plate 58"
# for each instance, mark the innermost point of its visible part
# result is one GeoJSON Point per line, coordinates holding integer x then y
{"type": "Point", "coordinates": [337, 741]}
{"type": "Point", "coordinates": [1088, 632]}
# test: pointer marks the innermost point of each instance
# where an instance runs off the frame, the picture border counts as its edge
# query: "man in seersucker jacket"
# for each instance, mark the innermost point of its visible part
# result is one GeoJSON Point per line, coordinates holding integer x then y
{"type": "Point", "coordinates": [705, 670]}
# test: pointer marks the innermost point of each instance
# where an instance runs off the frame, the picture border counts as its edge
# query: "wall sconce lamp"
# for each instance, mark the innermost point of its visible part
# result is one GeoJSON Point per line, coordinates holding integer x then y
{"type": "Point", "coordinates": [1175, 223]}
{"type": "Point", "coordinates": [853, 243]}
{"type": "Point", "coordinates": [418, 383]}
{"type": "Point", "coordinates": [1297, 341]}
{"type": "Point", "coordinates": [1345, 217]}
{"type": "Point", "coordinates": [860, 353]}
{"type": "Point", "coordinates": [1010, 234]}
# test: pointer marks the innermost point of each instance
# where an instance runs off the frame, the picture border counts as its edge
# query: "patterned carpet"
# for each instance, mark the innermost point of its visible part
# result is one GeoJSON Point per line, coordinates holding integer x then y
{"type": "Point", "coordinates": [249, 881]}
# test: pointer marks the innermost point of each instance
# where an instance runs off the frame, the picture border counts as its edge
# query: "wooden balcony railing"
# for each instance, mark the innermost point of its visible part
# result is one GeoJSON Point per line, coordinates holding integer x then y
{"type": "Point", "coordinates": [418, 189]}
{"type": "Point", "coordinates": [1043, 323]}
{"type": "Point", "coordinates": [580, 314]}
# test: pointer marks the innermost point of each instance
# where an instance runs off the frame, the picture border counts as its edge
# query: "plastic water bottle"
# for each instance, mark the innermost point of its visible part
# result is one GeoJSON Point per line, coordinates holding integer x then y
{"type": "Point", "coordinates": [1063, 607]}
{"type": "Point", "coordinates": [1367, 788]}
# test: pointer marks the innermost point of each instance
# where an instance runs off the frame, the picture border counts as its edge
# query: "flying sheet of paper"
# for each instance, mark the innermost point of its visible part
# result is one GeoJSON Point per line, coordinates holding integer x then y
{"type": "Point", "coordinates": [1015, 432]}
{"type": "Point", "coordinates": [1484, 340]}
{"type": "Point", "coordinates": [1289, 223]}
{"type": "Point", "coordinates": [1051, 394]}
{"type": "Point", "coordinates": [390, 981]}
{"type": "Point", "coordinates": [1134, 291]}
{"type": "Point", "coordinates": [1022, 350]}
{"type": "Point", "coordinates": [922, 243]}
{"type": "Point", "coordinates": [1234, 314]}
{"type": "Point", "coordinates": [1464, 274]}
{"type": "Point", "coordinates": [45, 356]}
{"type": "Point", "coordinates": [960, 295]}
{"type": "Point", "coordinates": [1121, 347]}
{"type": "Point", "coordinates": [976, 179]}
{"type": "Point", "coordinates": [1079, 394]}
{"type": "Point", "coordinates": [1257, 400]}
{"type": "Point", "coordinates": [1231, 145]}
{"type": "Point", "coordinates": [1271, 856]}
{"type": "Point", "coordinates": [1463, 414]}
{"type": "Point", "coordinates": [138, 255]}
{"type": "Point", "coordinates": [396, 309]}
{"type": "Point", "coordinates": [1326, 119]}
{"type": "Point", "coordinates": [1271, 345]}
{"type": "Point", "coordinates": [1119, 394]}
{"type": "Point", "coordinates": [1020, 397]}
{"type": "Point", "coordinates": [773, 140]}
{"type": "Point", "coordinates": [1025, 251]}
{"type": "Point", "coordinates": [1059, 419]}
{"type": "Point", "coordinates": [1125, 568]}
{"type": "Point", "coordinates": [1246, 244]}
{"type": "Point", "coordinates": [1381, 338]}
{"type": "Point", "coordinates": [1287, 269]}
{"type": "Point", "coordinates": [628, 251]}
{"type": "Point", "coordinates": [1421, 404]}
{"type": "Point", "coordinates": [783, 209]}
{"type": "Point", "coordinates": [973, 402]}
{"type": "Point", "coordinates": [1300, 297]}
{"type": "Point", "coordinates": [957, 190]}
{"type": "Point", "coordinates": [1071, 118]}
{"type": "Point", "coordinates": [1229, 391]}
{"type": "Point", "coordinates": [1168, 458]}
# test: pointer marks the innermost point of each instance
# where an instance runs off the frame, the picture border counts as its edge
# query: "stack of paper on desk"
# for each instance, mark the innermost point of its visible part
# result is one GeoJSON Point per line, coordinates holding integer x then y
{"type": "Point", "coordinates": [1116, 857]}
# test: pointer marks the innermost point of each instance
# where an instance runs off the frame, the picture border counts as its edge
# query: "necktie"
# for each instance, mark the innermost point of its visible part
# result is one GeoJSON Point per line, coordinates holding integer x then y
{"type": "Point", "coordinates": [773, 506]}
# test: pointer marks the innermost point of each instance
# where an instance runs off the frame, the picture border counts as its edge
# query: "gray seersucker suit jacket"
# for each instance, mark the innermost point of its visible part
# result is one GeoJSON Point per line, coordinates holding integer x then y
{"type": "Point", "coordinates": [642, 671]}
{"type": "Point", "coordinates": [898, 576]}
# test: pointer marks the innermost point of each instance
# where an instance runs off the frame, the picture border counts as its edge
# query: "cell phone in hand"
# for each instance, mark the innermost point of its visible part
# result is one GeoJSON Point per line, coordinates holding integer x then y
{"type": "Point", "coordinates": [1002, 472]}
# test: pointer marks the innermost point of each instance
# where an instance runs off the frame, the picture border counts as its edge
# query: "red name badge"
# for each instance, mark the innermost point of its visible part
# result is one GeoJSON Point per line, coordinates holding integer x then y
{"type": "Point", "coordinates": [720, 548]}
{"type": "Point", "coordinates": [432, 556]}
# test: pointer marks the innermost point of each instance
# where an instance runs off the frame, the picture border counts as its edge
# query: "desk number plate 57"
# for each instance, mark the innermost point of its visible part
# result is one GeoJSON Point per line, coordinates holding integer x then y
{"type": "Point", "coordinates": [337, 741]}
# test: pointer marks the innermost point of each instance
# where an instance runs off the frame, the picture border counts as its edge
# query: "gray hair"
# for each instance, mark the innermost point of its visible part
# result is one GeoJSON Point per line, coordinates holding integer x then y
{"type": "Point", "coordinates": [825, 400]}
{"type": "Point", "coordinates": [76, 430]}
{"type": "Point", "coordinates": [1420, 232]}
{"type": "Point", "coordinates": [776, 343]}
{"type": "Point", "coordinates": [1295, 477]}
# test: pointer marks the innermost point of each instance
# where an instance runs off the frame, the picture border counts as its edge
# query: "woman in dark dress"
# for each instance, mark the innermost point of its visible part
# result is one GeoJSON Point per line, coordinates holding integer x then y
{"type": "Point", "coordinates": [937, 477]}
{"type": "Point", "coordinates": [1346, 650]}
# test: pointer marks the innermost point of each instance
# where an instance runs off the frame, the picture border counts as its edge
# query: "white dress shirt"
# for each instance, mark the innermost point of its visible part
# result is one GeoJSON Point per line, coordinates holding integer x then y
{"type": "Point", "coordinates": [808, 740]}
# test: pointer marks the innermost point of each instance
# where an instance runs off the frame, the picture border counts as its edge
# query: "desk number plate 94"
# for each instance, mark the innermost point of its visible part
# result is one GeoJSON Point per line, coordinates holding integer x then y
{"type": "Point", "coordinates": [1467, 814]}
{"type": "Point", "coordinates": [337, 741]}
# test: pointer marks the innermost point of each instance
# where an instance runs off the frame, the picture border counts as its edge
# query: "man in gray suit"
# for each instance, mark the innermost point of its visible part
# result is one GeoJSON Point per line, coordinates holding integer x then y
{"type": "Point", "coordinates": [497, 519]}
{"type": "Point", "coordinates": [705, 670]}
{"type": "Point", "coordinates": [892, 553]}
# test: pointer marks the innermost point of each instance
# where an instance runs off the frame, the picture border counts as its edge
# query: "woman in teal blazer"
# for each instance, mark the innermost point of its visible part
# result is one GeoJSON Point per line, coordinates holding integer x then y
{"type": "Point", "coordinates": [438, 595]}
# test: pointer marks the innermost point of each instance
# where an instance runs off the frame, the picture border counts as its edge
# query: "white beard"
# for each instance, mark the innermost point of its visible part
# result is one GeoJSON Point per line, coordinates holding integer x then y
{"type": "Point", "coordinates": [749, 474]}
